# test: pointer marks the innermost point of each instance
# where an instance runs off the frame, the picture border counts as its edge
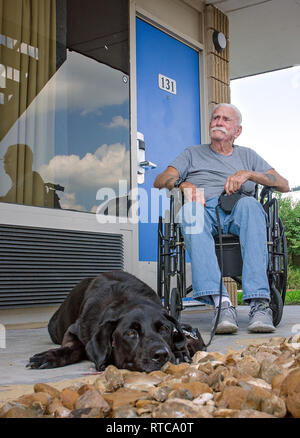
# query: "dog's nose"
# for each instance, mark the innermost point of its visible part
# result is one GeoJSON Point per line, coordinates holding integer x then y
{"type": "Point", "coordinates": [160, 356]}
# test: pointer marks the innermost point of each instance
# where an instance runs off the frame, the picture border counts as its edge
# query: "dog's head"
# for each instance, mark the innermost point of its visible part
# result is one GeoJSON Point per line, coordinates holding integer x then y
{"type": "Point", "coordinates": [143, 339]}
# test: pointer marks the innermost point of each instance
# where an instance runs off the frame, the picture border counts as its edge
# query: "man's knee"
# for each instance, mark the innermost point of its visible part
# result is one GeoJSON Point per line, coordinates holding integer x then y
{"type": "Point", "coordinates": [250, 205]}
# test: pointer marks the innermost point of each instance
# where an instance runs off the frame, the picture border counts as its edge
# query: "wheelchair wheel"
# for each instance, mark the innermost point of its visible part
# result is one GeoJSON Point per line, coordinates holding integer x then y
{"type": "Point", "coordinates": [175, 303]}
{"type": "Point", "coordinates": [276, 305]}
{"type": "Point", "coordinates": [160, 261]}
{"type": "Point", "coordinates": [281, 278]}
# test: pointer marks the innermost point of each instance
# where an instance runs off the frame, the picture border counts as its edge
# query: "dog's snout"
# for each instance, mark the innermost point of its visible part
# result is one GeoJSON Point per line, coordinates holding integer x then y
{"type": "Point", "coordinates": [160, 356]}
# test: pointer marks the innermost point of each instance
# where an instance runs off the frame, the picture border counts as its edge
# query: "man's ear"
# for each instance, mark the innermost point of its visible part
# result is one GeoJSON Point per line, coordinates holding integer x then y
{"type": "Point", "coordinates": [99, 347]}
{"type": "Point", "coordinates": [238, 132]}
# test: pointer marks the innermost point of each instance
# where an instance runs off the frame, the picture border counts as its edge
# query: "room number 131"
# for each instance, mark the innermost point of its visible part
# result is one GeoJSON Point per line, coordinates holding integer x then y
{"type": "Point", "coordinates": [167, 84]}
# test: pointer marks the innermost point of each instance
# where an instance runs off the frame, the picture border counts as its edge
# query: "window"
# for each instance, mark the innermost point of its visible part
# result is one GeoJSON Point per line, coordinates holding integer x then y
{"type": "Point", "coordinates": [64, 102]}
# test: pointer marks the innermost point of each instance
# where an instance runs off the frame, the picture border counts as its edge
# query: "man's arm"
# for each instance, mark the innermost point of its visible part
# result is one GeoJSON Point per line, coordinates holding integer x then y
{"type": "Point", "coordinates": [270, 178]}
{"type": "Point", "coordinates": [166, 179]}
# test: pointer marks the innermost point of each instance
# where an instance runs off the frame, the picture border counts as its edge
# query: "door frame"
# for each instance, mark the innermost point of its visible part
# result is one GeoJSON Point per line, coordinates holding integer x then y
{"type": "Point", "coordinates": [136, 11]}
{"type": "Point", "coordinates": [147, 270]}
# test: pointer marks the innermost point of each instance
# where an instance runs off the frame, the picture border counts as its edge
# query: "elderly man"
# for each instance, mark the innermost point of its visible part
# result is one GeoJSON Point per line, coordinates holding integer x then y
{"type": "Point", "coordinates": [202, 173]}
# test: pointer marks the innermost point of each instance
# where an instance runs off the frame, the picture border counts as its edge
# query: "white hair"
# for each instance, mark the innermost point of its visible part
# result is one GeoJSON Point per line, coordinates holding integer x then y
{"type": "Point", "coordinates": [236, 110]}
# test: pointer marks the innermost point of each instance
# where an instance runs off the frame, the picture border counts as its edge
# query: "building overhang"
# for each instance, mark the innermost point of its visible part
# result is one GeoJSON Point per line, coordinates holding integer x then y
{"type": "Point", "coordinates": [264, 35]}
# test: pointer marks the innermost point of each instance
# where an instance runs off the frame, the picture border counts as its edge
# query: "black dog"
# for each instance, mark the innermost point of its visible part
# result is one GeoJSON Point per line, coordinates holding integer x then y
{"type": "Point", "coordinates": [117, 319]}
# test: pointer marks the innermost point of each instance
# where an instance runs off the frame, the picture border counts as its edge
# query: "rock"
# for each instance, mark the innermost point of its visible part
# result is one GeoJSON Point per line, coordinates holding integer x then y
{"type": "Point", "coordinates": [231, 357]}
{"type": "Point", "coordinates": [232, 397]}
{"type": "Point", "coordinates": [293, 403]}
{"type": "Point", "coordinates": [114, 378]}
{"type": "Point", "coordinates": [86, 413]}
{"type": "Point", "coordinates": [252, 413]}
{"type": "Point", "coordinates": [43, 387]}
{"type": "Point", "coordinates": [295, 338]}
{"type": "Point", "coordinates": [196, 388]}
{"type": "Point", "coordinates": [194, 375]}
{"type": "Point", "coordinates": [179, 408]}
{"type": "Point", "coordinates": [225, 413]}
{"type": "Point", "coordinates": [206, 368]}
{"type": "Point", "coordinates": [290, 390]}
{"type": "Point", "coordinates": [261, 356]}
{"type": "Point", "coordinates": [18, 412]}
{"type": "Point", "coordinates": [216, 378]}
{"type": "Point", "coordinates": [294, 347]}
{"type": "Point", "coordinates": [181, 393]}
{"type": "Point", "coordinates": [200, 356]}
{"type": "Point", "coordinates": [140, 381]}
{"type": "Point", "coordinates": [142, 403]}
{"type": "Point", "coordinates": [255, 397]}
{"type": "Point", "coordinates": [125, 412]}
{"type": "Point", "coordinates": [124, 397]}
{"type": "Point", "coordinates": [177, 370]}
{"type": "Point", "coordinates": [248, 365]}
{"type": "Point", "coordinates": [37, 401]}
{"type": "Point", "coordinates": [100, 384]}
{"type": "Point", "coordinates": [277, 382]}
{"type": "Point", "coordinates": [86, 387]}
{"type": "Point", "coordinates": [145, 406]}
{"type": "Point", "coordinates": [285, 360]}
{"type": "Point", "coordinates": [203, 399]}
{"type": "Point", "coordinates": [69, 398]}
{"type": "Point", "coordinates": [159, 374]}
{"type": "Point", "coordinates": [161, 393]}
{"type": "Point", "coordinates": [274, 405]}
{"type": "Point", "coordinates": [6, 407]}
{"type": "Point", "coordinates": [56, 409]}
{"type": "Point", "coordinates": [230, 381]}
{"type": "Point", "coordinates": [250, 382]}
{"type": "Point", "coordinates": [269, 369]}
{"type": "Point", "coordinates": [92, 399]}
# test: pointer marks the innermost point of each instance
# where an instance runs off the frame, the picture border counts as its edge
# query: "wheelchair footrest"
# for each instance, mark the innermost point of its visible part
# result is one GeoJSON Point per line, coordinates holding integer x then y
{"type": "Point", "coordinates": [190, 302]}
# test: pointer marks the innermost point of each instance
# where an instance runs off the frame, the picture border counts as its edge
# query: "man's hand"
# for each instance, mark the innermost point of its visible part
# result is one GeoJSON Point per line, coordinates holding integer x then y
{"type": "Point", "coordinates": [192, 193]}
{"type": "Point", "coordinates": [235, 181]}
{"type": "Point", "coordinates": [270, 178]}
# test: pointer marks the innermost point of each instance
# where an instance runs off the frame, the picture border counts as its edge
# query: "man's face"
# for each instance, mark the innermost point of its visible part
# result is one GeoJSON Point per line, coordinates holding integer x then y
{"type": "Point", "coordinates": [224, 125]}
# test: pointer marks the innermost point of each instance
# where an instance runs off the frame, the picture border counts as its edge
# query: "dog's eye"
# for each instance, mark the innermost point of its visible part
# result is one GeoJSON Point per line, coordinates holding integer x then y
{"type": "Point", "coordinates": [132, 333]}
{"type": "Point", "coordinates": [163, 329]}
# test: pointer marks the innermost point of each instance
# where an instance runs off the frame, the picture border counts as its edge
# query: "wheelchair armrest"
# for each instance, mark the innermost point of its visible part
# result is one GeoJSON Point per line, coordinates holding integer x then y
{"type": "Point", "coordinates": [266, 192]}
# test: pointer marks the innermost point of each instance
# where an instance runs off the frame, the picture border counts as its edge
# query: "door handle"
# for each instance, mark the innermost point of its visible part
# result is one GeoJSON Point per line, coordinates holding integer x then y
{"type": "Point", "coordinates": [147, 165]}
{"type": "Point", "coordinates": [142, 163]}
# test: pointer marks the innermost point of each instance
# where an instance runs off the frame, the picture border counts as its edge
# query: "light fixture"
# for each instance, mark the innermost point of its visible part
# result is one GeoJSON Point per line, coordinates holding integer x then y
{"type": "Point", "coordinates": [219, 40]}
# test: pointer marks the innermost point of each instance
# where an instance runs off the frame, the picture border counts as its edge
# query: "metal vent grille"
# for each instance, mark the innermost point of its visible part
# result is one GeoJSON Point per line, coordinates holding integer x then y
{"type": "Point", "coordinates": [41, 265]}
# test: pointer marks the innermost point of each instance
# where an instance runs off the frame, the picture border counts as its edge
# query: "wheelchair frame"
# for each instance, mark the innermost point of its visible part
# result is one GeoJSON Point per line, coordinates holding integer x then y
{"type": "Point", "coordinates": [171, 258]}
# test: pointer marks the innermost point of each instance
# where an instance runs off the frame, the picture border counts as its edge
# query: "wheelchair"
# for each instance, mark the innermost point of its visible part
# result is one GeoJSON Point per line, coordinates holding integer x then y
{"type": "Point", "coordinates": [171, 258]}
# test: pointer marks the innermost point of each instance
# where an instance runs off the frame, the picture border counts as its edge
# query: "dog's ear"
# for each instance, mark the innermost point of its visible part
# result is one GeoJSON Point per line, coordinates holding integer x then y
{"type": "Point", "coordinates": [99, 347]}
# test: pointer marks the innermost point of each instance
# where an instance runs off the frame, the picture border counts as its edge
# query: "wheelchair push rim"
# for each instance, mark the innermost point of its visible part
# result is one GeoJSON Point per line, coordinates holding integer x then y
{"type": "Point", "coordinates": [175, 303]}
{"type": "Point", "coordinates": [281, 278]}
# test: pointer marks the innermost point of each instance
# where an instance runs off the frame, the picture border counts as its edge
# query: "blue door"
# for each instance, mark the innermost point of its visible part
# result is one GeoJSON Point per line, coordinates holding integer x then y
{"type": "Point", "coordinates": [168, 111]}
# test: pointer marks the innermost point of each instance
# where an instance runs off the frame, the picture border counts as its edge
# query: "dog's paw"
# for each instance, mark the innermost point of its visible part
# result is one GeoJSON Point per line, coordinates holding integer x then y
{"type": "Point", "coordinates": [47, 359]}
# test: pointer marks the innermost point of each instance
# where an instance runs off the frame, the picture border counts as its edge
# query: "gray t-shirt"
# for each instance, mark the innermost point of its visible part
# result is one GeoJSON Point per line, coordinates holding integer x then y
{"type": "Point", "coordinates": [207, 169]}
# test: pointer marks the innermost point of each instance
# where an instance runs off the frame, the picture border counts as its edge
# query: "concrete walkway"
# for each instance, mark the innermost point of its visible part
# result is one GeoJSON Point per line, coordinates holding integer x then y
{"type": "Point", "coordinates": [26, 335]}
